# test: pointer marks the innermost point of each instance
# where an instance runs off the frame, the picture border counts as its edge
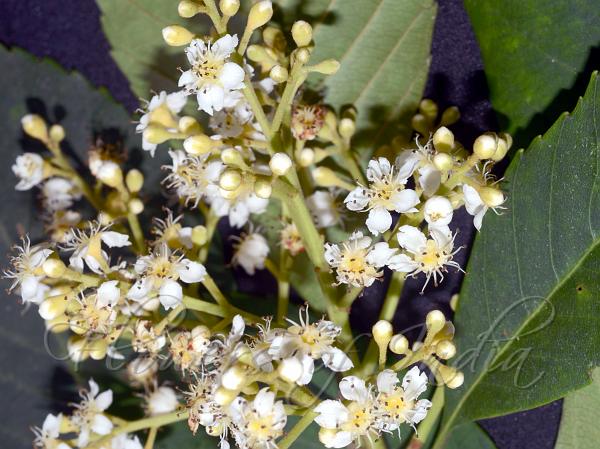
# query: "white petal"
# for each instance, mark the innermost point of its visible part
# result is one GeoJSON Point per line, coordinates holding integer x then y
{"type": "Point", "coordinates": [378, 168]}
{"type": "Point", "coordinates": [232, 76]}
{"type": "Point", "coordinates": [225, 45]}
{"type": "Point", "coordinates": [411, 239]}
{"type": "Point", "coordinates": [473, 201]}
{"type": "Point", "coordinates": [331, 414]}
{"type": "Point", "coordinates": [263, 402]}
{"type": "Point", "coordinates": [379, 221]}
{"type": "Point", "coordinates": [337, 360]}
{"type": "Point", "coordinates": [187, 78]}
{"type": "Point", "coordinates": [101, 425]}
{"type": "Point", "coordinates": [356, 200]}
{"type": "Point", "coordinates": [176, 101]}
{"type": "Point", "coordinates": [341, 439]}
{"type": "Point", "coordinates": [237, 328]}
{"type": "Point", "coordinates": [39, 257]}
{"type": "Point", "coordinates": [429, 179]}
{"type": "Point", "coordinates": [405, 201]}
{"type": "Point", "coordinates": [52, 425]}
{"type": "Point", "coordinates": [442, 235]}
{"type": "Point", "coordinates": [115, 239]}
{"type": "Point", "coordinates": [478, 219]}
{"type": "Point", "coordinates": [438, 210]}
{"type": "Point", "coordinates": [191, 272]}
{"type": "Point", "coordinates": [380, 254]}
{"type": "Point", "coordinates": [414, 383]}
{"type": "Point", "coordinates": [402, 263]}
{"type": "Point", "coordinates": [170, 294]}
{"type": "Point", "coordinates": [386, 381]}
{"type": "Point", "coordinates": [353, 389]}
{"type": "Point", "coordinates": [140, 290]}
{"type": "Point", "coordinates": [104, 399]}
{"type": "Point", "coordinates": [108, 294]}
{"type": "Point", "coordinates": [308, 370]}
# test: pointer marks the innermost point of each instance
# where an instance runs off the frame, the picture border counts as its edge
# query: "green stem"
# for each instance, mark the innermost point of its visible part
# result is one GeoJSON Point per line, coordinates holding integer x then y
{"type": "Point", "coordinates": [136, 230]}
{"type": "Point", "coordinates": [204, 306]}
{"type": "Point", "coordinates": [151, 438]}
{"type": "Point", "coordinates": [215, 292]}
{"type": "Point", "coordinates": [261, 118]}
{"type": "Point", "coordinates": [213, 13]}
{"type": "Point", "coordinates": [297, 430]}
{"type": "Point", "coordinates": [287, 97]}
{"type": "Point", "coordinates": [211, 221]}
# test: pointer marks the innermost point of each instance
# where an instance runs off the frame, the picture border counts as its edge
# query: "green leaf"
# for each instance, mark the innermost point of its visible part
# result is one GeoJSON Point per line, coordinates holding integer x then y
{"type": "Point", "coordinates": [36, 382]}
{"type": "Point", "coordinates": [133, 28]}
{"type": "Point", "coordinates": [579, 423]}
{"type": "Point", "coordinates": [179, 436]}
{"type": "Point", "coordinates": [528, 315]}
{"type": "Point", "coordinates": [533, 53]}
{"type": "Point", "coordinates": [469, 435]}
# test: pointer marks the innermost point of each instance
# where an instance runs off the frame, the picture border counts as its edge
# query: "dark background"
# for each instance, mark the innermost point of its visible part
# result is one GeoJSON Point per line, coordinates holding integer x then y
{"type": "Point", "coordinates": [70, 32]}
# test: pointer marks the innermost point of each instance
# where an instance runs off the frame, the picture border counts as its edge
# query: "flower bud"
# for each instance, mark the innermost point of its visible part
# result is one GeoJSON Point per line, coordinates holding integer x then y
{"type": "Point", "coordinates": [52, 307]}
{"type": "Point", "coordinates": [135, 206]}
{"type": "Point", "coordinates": [54, 268]}
{"type": "Point", "coordinates": [263, 189]}
{"type": "Point", "coordinates": [450, 116]}
{"type": "Point", "coordinates": [260, 13]}
{"type": "Point", "coordinates": [445, 349]}
{"type": "Point", "coordinates": [156, 134]}
{"type": "Point", "coordinates": [443, 161]}
{"type": "Point", "coordinates": [502, 148]}
{"type": "Point", "coordinates": [305, 157]}
{"type": "Point", "coordinates": [224, 396]}
{"type": "Point", "coordinates": [443, 140]}
{"type": "Point", "coordinates": [347, 128]}
{"type": "Point", "coordinates": [399, 344]}
{"type": "Point", "coordinates": [198, 144]}
{"type": "Point", "coordinates": [420, 124]}
{"type": "Point", "coordinates": [302, 55]}
{"type": "Point", "coordinates": [290, 369]}
{"type": "Point", "coordinates": [57, 133]}
{"type": "Point", "coordinates": [189, 125]}
{"type": "Point", "coordinates": [111, 175]}
{"type": "Point", "coordinates": [201, 331]}
{"type": "Point", "coordinates": [451, 376]}
{"type": "Point", "coordinates": [382, 334]}
{"type": "Point", "coordinates": [491, 196]}
{"type": "Point", "coordinates": [177, 36]}
{"type": "Point", "coordinates": [279, 74]}
{"type": "Point", "coordinates": [230, 180]}
{"type": "Point", "coordinates": [199, 235]}
{"type": "Point", "coordinates": [327, 67]}
{"type": "Point", "coordinates": [326, 177]}
{"type": "Point", "coordinates": [134, 180]}
{"type": "Point", "coordinates": [485, 146]}
{"type": "Point", "coordinates": [435, 321]}
{"type": "Point", "coordinates": [233, 378]}
{"type": "Point", "coordinates": [280, 163]}
{"type": "Point", "coordinates": [97, 349]}
{"type": "Point", "coordinates": [58, 325]}
{"type": "Point", "coordinates": [229, 8]}
{"type": "Point", "coordinates": [35, 126]}
{"type": "Point", "coordinates": [231, 156]}
{"type": "Point", "coordinates": [188, 8]}
{"type": "Point", "coordinates": [302, 33]}
{"type": "Point", "coordinates": [429, 109]}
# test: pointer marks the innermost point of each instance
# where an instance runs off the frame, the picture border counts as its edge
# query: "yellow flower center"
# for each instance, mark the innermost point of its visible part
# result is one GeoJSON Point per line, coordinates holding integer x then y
{"type": "Point", "coordinates": [361, 418]}
{"type": "Point", "coordinates": [432, 257]}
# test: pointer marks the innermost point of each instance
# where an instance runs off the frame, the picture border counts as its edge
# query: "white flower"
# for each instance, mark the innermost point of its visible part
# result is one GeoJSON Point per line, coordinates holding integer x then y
{"type": "Point", "coordinates": [324, 209]}
{"type": "Point", "coordinates": [193, 177]}
{"type": "Point", "coordinates": [232, 119]}
{"type": "Point", "coordinates": [145, 338]}
{"type": "Point", "coordinates": [344, 423]}
{"type": "Point", "coordinates": [27, 271]}
{"type": "Point", "coordinates": [428, 256]}
{"type": "Point", "coordinates": [438, 211]}
{"type": "Point", "coordinates": [161, 110]}
{"type": "Point", "coordinates": [308, 342]}
{"type": "Point", "coordinates": [430, 177]}
{"type": "Point", "coordinates": [211, 77]}
{"type": "Point", "coordinates": [239, 208]}
{"type": "Point", "coordinates": [29, 167]}
{"type": "Point", "coordinates": [59, 194]}
{"type": "Point", "coordinates": [161, 400]}
{"type": "Point", "coordinates": [46, 437]}
{"type": "Point", "coordinates": [87, 246]}
{"type": "Point", "coordinates": [158, 274]}
{"type": "Point", "coordinates": [108, 294]}
{"type": "Point", "coordinates": [171, 232]}
{"type": "Point", "coordinates": [89, 416]}
{"type": "Point", "coordinates": [124, 441]}
{"type": "Point", "coordinates": [251, 251]}
{"type": "Point", "coordinates": [258, 424]}
{"type": "Point", "coordinates": [399, 405]}
{"type": "Point", "coordinates": [385, 193]}
{"type": "Point", "coordinates": [356, 261]}
{"type": "Point", "coordinates": [477, 202]}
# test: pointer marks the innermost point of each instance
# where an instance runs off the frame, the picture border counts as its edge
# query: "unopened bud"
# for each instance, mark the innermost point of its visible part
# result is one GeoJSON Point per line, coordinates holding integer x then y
{"type": "Point", "coordinates": [280, 163]}
{"type": "Point", "coordinates": [260, 13]}
{"type": "Point", "coordinates": [445, 349]}
{"type": "Point", "coordinates": [177, 36]}
{"type": "Point", "coordinates": [54, 268]}
{"type": "Point", "coordinates": [347, 128]}
{"type": "Point", "coordinates": [290, 369]}
{"type": "Point", "coordinates": [485, 146]}
{"type": "Point", "coordinates": [199, 235]}
{"type": "Point", "coordinates": [52, 307]}
{"type": "Point", "coordinates": [399, 344]}
{"type": "Point", "coordinates": [224, 397]}
{"type": "Point", "coordinates": [435, 321]}
{"type": "Point", "coordinates": [491, 196]}
{"type": "Point", "coordinates": [450, 116]}
{"type": "Point", "coordinates": [233, 378]}
{"type": "Point", "coordinates": [327, 67]}
{"type": "Point", "coordinates": [382, 334]}
{"type": "Point", "coordinates": [231, 156]}
{"type": "Point", "coordinates": [504, 144]}
{"type": "Point", "coordinates": [198, 144]}
{"type": "Point", "coordinates": [189, 125]}
{"type": "Point", "coordinates": [326, 177]}
{"type": "Point", "coordinates": [35, 126]}
{"type": "Point", "coordinates": [302, 33]}
{"type": "Point", "coordinates": [156, 134]}
{"type": "Point", "coordinates": [429, 109]}
{"type": "Point", "coordinates": [230, 180]}
{"type": "Point", "coordinates": [305, 156]}
{"type": "Point", "coordinates": [57, 133]}
{"type": "Point", "coordinates": [443, 140]}
{"type": "Point", "coordinates": [279, 74]}
{"type": "Point", "coordinates": [443, 161]}
{"type": "Point", "coordinates": [302, 55]}
{"type": "Point", "coordinates": [188, 8]}
{"type": "Point", "coordinates": [111, 174]}
{"type": "Point", "coordinates": [135, 206]}
{"type": "Point", "coordinates": [420, 124]}
{"type": "Point", "coordinates": [58, 325]}
{"type": "Point", "coordinates": [97, 349]}
{"type": "Point", "coordinates": [451, 376]}
{"type": "Point", "coordinates": [134, 180]}
{"type": "Point", "coordinates": [263, 189]}
{"type": "Point", "coordinates": [229, 8]}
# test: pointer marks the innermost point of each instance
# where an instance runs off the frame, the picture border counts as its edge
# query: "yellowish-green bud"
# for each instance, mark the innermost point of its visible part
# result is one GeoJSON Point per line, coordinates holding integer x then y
{"type": "Point", "coordinates": [302, 55]}
{"type": "Point", "coordinates": [157, 134]}
{"type": "Point", "coordinates": [274, 38]}
{"type": "Point", "coordinates": [54, 268]}
{"type": "Point", "coordinates": [302, 33]}
{"type": "Point", "coordinates": [347, 128]}
{"type": "Point", "coordinates": [57, 133]}
{"type": "Point", "coordinates": [260, 13]}
{"type": "Point", "coordinates": [445, 349]}
{"type": "Point", "coordinates": [134, 180]}
{"type": "Point", "coordinates": [451, 376]}
{"type": "Point", "coordinates": [280, 163]}
{"type": "Point", "coordinates": [111, 175]}
{"type": "Point", "coordinates": [450, 116]}
{"type": "Point", "coordinates": [97, 349]}
{"type": "Point", "coordinates": [279, 74]}
{"type": "Point", "coordinates": [443, 161]}
{"type": "Point", "coordinates": [188, 8]}
{"type": "Point", "coordinates": [382, 334]}
{"type": "Point", "coordinates": [231, 156]}
{"type": "Point", "coordinates": [326, 177]}
{"type": "Point", "coordinates": [234, 378]}
{"type": "Point", "coordinates": [198, 144]}
{"type": "Point", "coordinates": [35, 126]}
{"type": "Point", "coordinates": [429, 109]}
{"type": "Point", "coordinates": [229, 8]}
{"type": "Point", "coordinates": [189, 125]}
{"type": "Point", "coordinates": [135, 206]}
{"type": "Point", "coordinates": [454, 301]}
{"type": "Point", "coordinates": [177, 36]}
{"type": "Point", "coordinates": [305, 156]}
{"type": "Point", "coordinates": [263, 189]}
{"type": "Point", "coordinates": [230, 180]}
{"type": "Point", "coordinates": [435, 321]}
{"type": "Point", "coordinates": [327, 67]}
{"type": "Point", "coordinates": [399, 344]}
{"type": "Point", "coordinates": [420, 124]}
{"type": "Point", "coordinates": [199, 235]}
{"type": "Point", "coordinates": [58, 325]}
{"type": "Point", "coordinates": [443, 140]}
{"type": "Point", "coordinates": [52, 307]}
{"type": "Point", "coordinates": [224, 396]}
{"type": "Point", "coordinates": [485, 146]}
{"type": "Point", "coordinates": [491, 196]}
{"type": "Point", "coordinates": [504, 144]}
